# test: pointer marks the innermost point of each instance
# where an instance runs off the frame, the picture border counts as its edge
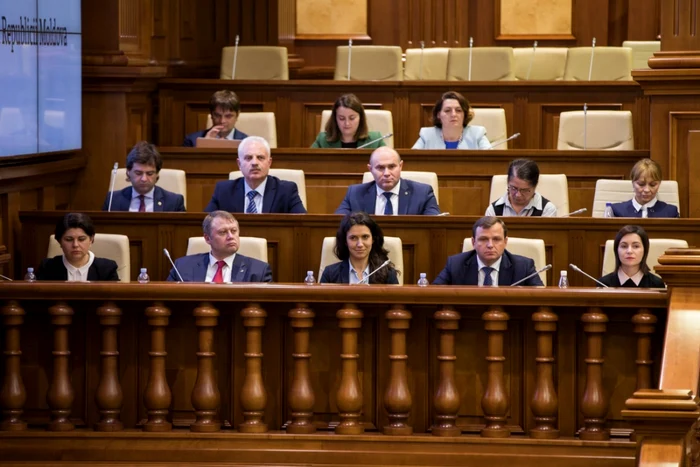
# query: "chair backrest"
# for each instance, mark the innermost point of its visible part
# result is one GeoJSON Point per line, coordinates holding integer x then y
{"type": "Point", "coordinates": [554, 187]}
{"type": "Point", "coordinates": [256, 124]}
{"type": "Point", "coordinates": [292, 175]}
{"type": "Point", "coordinates": [604, 130]}
{"type": "Point", "coordinates": [252, 247]}
{"type": "Point", "coordinates": [429, 178]}
{"type": "Point", "coordinates": [642, 51]}
{"type": "Point", "coordinates": [547, 63]}
{"type": "Point", "coordinates": [173, 180]}
{"type": "Point", "coordinates": [392, 244]}
{"type": "Point", "coordinates": [110, 246]}
{"type": "Point", "coordinates": [255, 62]}
{"type": "Point", "coordinates": [609, 64]}
{"type": "Point", "coordinates": [494, 120]}
{"type": "Point", "coordinates": [488, 64]}
{"type": "Point", "coordinates": [617, 191]}
{"type": "Point", "coordinates": [433, 60]}
{"type": "Point", "coordinates": [369, 63]}
{"type": "Point", "coordinates": [377, 120]}
{"type": "Point", "coordinates": [529, 247]}
{"type": "Point", "coordinates": [657, 247]}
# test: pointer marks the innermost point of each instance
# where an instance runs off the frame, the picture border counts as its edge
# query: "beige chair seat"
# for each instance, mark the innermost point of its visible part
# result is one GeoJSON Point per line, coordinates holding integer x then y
{"type": "Point", "coordinates": [494, 120]}
{"type": "Point", "coordinates": [252, 247]}
{"type": "Point", "coordinates": [619, 191]}
{"type": "Point", "coordinates": [292, 175]}
{"type": "Point", "coordinates": [488, 63]}
{"type": "Point", "coordinates": [110, 246]}
{"type": "Point", "coordinates": [377, 120]}
{"type": "Point", "coordinates": [256, 62]}
{"type": "Point", "coordinates": [605, 130]}
{"type": "Point", "coordinates": [434, 61]}
{"type": "Point", "coordinates": [369, 63]}
{"type": "Point", "coordinates": [261, 124]}
{"type": "Point", "coordinates": [547, 64]}
{"type": "Point", "coordinates": [429, 178]}
{"type": "Point", "coordinates": [173, 180]}
{"type": "Point", "coordinates": [554, 187]}
{"type": "Point", "coordinates": [657, 247]}
{"type": "Point", "coordinates": [392, 244]}
{"type": "Point", "coordinates": [529, 247]}
{"type": "Point", "coordinates": [642, 51]}
{"type": "Point", "coordinates": [609, 64]}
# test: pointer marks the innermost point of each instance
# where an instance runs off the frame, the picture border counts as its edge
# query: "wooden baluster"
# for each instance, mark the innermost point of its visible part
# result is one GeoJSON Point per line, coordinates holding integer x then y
{"type": "Point", "coordinates": [157, 396]}
{"type": "Point", "coordinates": [205, 394]}
{"type": "Point", "coordinates": [301, 394]}
{"type": "Point", "coordinates": [253, 395]}
{"type": "Point", "coordinates": [495, 401]}
{"type": "Point", "coordinates": [109, 395]}
{"type": "Point", "coordinates": [644, 324]}
{"type": "Point", "coordinates": [349, 397]}
{"type": "Point", "coordinates": [594, 405]}
{"type": "Point", "coordinates": [545, 405]}
{"type": "Point", "coordinates": [446, 395]}
{"type": "Point", "coordinates": [397, 398]}
{"type": "Point", "coordinates": [12, 395]}
{"type": "Point", "coordinates": [60, 395]}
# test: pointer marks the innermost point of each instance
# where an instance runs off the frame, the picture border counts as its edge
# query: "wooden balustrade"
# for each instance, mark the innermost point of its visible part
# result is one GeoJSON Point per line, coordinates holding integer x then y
{"type": "Point", "coordinates": [446, 395]}
{"type": "Point", "coordinates": [205, 395]}
{"type": "Point", "coordinates": [13, 394]}
{"type": "Point", "coordinates": [109, 395]}
{"type": "Point", "coordinates": [253, 396]}
{"type": "Point", "coordinates": [301, 393]}
{"type": "Point", "coordinates": [495, 401]}
{"type": "Point", "coordinates": [157, 396]}
{"type": "Point", "coordinates": [397, 398]}
{"type": "Point", "coordinates": [595, 400]}
{"type": "Point", "coordinates": [349, 397]}
{"type": "Point", "coordinates": [60, 395]}
{"type": "Point", "coordinates": [545, 405]}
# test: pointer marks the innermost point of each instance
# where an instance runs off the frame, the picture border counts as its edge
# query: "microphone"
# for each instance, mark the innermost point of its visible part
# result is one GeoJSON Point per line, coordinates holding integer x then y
{"type": "Point", "coordinates": [349, 57]}
{"type": "Point", "coordinates": [443, 214]}
{"type": "Point", "coordinates": [369, 143]}
{"type": "Point", "coordinates": [235, 59]}
{"type": "Point", "coordinates": [167, 253]}
{"type": "Point", "coordinates": [578, 269]}
{"type": "Point", "coordinates": [498, 143]}
{"type": "Point", "coordinates": [532, 59]}
{"type": "Point", "coordinates": [471, 46]}
{"type": "Point", "coordinates": [546, 268]}
{"type": "Point", "coordinates": [6, 278]}
{"type": "Point", "coordinates": [420, 71]}
{"type": "Point", "coordinates": [111, 185]}
{"type": "Point", "coordinates": [366, 279]}
{"type": "Point", "coordinates": [590, 66]}
{"type": "Point", "coordinates": [578, 211]}
{"type": "Point", "coordinates": [585, 124]}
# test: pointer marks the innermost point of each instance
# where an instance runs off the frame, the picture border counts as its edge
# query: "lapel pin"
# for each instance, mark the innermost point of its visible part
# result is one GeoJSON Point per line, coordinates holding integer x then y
{"type": "Point", "coordinates": [160, 203]}
{"type": "Point", "coordinates": [405, 192]}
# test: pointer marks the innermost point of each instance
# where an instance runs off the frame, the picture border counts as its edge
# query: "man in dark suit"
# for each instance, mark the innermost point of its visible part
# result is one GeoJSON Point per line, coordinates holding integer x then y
{"type": "Point", "coordinates": [489, 263]}
{"type": "Point", "coordinates": [143, 165]}
{"type": "Point", "coordinates": [389, 194]}
{"type": "Point", "coordinates": [224, 108]}
{"type": "Point", "coordinates": [256, 192]}
{"type": "Point", "coordinates": [222, 263]}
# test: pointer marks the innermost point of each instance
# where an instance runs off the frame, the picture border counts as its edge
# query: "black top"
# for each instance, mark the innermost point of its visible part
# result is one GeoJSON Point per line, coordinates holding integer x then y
{"type": "Point", "coordinates": [339, 273]}
{"type": "Point", "coordinates": [649, 281]}
{"type": "Point", "coordinates": [101, 269]}
{"type": "Point", "coordinates": [350, 145]}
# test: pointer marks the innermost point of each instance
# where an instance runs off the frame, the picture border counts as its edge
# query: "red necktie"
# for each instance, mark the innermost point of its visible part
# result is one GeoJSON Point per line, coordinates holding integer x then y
{"type": "Point", "coordinates": [142, 204]}
{"type": "Point", "coordinates": [219, 276]}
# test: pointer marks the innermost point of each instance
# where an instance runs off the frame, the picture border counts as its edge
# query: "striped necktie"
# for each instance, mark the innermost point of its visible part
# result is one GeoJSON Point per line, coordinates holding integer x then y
{"type": "Point", "coordinates": [252, 208]}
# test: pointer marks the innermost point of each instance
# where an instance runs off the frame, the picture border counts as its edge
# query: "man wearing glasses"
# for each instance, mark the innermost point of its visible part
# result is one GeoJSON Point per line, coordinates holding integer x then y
{"type": "Point", "coordinates": [521, 199]}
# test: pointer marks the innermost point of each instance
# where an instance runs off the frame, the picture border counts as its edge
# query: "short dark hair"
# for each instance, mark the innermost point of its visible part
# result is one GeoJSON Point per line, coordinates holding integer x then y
{"type": "Point", "coordinates": [487, 223]}
{"type": "Point", "coordinates": [227, 100]}
{"type": "Point", "coordinates": [463, 102]}
{"type": "Point", "coordinates": [349, 101]}
{"type": "Point", "coordinates": [377, 255]}
{"type": "Point", "coordinates": [206, 225]}
{"type": "Point", "coordinates": [144, 153]}
{"type": "Point", "coordinates": [524, 169]}
{"type": "Point", "coordinates": [632, 229]}
{"type": "Point", "coordinates": [74, 220]}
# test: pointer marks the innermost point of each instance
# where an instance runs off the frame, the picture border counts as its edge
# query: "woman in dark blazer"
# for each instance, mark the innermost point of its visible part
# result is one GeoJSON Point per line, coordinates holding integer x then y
{"type": "Point", "coordinates": [75, 233]}
{"type": "Point", "coordinates": [631, 248]}
{"type": "Point", "coordinates": [359, 244]}
{"type": "Point", "coordinates": [646, 181]}
{"type": "Point", "coordinates": [347, 127]}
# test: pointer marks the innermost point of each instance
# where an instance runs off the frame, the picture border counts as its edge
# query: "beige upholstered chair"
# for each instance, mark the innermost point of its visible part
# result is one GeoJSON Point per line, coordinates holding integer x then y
{"type": "Point", "coordinates": [547, 65]}
{"type": "Point", "coordinates": [642, 51]}
{"type": "Point", "coordinates": [252, 247]}
{"type": "Point", "coordinates": [255, 62]}
{"type": "Point", "coordinates": [494, 120]}
{"type": "Point", "coordinates": [488, 63]}
{"type": "Point", "coordinates": [110, 246]}
{"type": "Point", "coordinates": [618, 191]}
{"type": "Point", "coordinates": [429, 178]}
{"type": "Point", "coordinates": [609, 64]}
{"type": "Point", "coordinates": [605, 130]}
{"type": "Point", "coordinates": [369, 63]}
{"type": "Point", "coordinates": [256, 124]}
{"type": "Point", "coordinates": [173, 180]}
{"type": "Point", "coordinates": [377, 120]}
{"type": "Point", "coordinates": [292, 175]}
{"type": "Point", "coordinates": [530, 247]}
{"type": "Point", "coordinates": [434, 62]}
{"type": "Point", "coordinates": [554, 187]}
{"type": "Point", "coordinates": [657, 247]}
{"type": "Point", "coordinates": [392, 244]}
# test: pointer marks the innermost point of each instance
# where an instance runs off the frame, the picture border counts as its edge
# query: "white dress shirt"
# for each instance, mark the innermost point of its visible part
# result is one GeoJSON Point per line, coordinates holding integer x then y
{"type": "Point", "coordinates": [354, 279]}
{"type": "Point", "coordinates": [494, 274]}
{"type": "Point", "coordinates": [381, 200]}
{"type": "Point", "coordinates": [136, 202]}
{"type": "Point", "coordinates": [78, 274]}
{"type": "Point", "coordinates": [213, 267]}
{"type": "Point", "coordinates": [258, 200]}
{"type": "Point", "coordinates": [550, 210]}
{"type": "Point", "coordinates": [637, 278]}
{"type": "Point", "coordinates": [644, 208]}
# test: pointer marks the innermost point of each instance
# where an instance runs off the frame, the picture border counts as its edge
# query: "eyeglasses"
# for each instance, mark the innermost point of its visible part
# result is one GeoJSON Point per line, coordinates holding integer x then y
{"type": "Point", "coordinates": [515, 190]}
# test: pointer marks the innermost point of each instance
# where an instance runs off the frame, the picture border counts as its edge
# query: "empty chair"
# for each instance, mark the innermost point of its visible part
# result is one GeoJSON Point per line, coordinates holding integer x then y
{"type": "Point", "coordinates": [494, 120]}
{"type": "Point", "coordinates": [429, 178]}
{"type": "Point", "coordinates": [618, 191]}
{"type": "Point", "coordinates": [173, 180]}
{"type": "Point", "coordinates": [604, 130]}
{"type": "Point", "coordinates": [252, 247]}
{"type": "Point", "coordinates": [377, 120]}
{"type": "Point", "coordinates": [642, 51]}
{"type": "Point", "coordinates": [392, 244]}
{"type": "Point", "coordinates": [261, 124]}
{"type": "Point", "coordinates": [255, 62]}
{"type": "Point", "coordinates": [609, 64]}
{"type": "Point", "coordinates": [547, 63]}
{"type": "Point", "coordinates": [110, 246]}
{"type": "Point", "coordinates": [554, 187]}
{"type": "Point", "coordinates": [369, 63]}
{"type": "Point", "coordinates": [296, 176]}
{"type": "Point", "coordinates": [657, 247]}
{"type": "Point", "coordinates": [529, 247]}
{"type": "Point", "coordinates": [488, 64]}
{"type": "Point", "coordinates": [426, 64]}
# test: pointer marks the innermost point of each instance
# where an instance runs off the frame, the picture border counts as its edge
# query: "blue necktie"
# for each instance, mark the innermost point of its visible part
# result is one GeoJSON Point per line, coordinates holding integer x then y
{"type": "Point", "coordinates": [388, 209]}
{"type": "Point", "coordinates": [252, 209]}
{"type": "Point", "coordinates": [487, 276]}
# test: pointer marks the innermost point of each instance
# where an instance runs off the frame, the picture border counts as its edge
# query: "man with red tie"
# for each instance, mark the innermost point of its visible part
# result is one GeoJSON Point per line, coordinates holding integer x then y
{"type": "Point", "coordinates": [222, 263]}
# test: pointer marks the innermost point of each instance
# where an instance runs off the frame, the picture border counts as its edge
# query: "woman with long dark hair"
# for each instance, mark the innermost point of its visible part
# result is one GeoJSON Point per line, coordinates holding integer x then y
{"type": "Point", "coordinates": [631, 248]}
{"type": "Point", "coordinates": [347, 126]}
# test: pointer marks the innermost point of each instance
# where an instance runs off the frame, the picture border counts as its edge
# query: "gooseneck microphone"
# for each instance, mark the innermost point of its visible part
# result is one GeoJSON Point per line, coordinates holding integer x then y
{"type": "Point", "coordinates": [349, 57]}
{"type": "Point", "coordinates": [590, 66]}
{"type": "Point", "coordinates": [235, 59]}
{"type": "Point", "coordinates": [369, 143]}
{"type": "Point", "coordinates": [471, 46]}
{"type": "Point", "coordinates": [420, 70]}
{"type": "Point", "coordinates": [167, 253]}
{"type": "Point", "coordinates": [578, 211]}
{"type": "Point", "coordinates": [498, 143]}
{"type": "Point", "coordinates": [578, 269]}
{"type": "Point", "coordinates": [532, 59]}
{"type": "Point", "coordinates": [6, 278]}
{"type": "Point", "coordinates": [366, 279]}
{"type": "Point", "coordinates": [111, 185]}
{"type": "Point", "coordinates": [546, 268]}
{"type": "Point", "coordinates": [585, 125]}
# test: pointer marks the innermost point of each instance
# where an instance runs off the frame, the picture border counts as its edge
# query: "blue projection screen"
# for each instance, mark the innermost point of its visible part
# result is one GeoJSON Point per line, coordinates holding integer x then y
{"type": "Point", "coordinates": [40, 76]}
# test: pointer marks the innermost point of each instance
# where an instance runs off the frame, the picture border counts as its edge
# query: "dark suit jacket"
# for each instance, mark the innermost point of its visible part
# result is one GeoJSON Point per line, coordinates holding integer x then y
{"type": "Point", "coordinates": [660, 209]}
{"type": "Point", "coordinates": [649, 281]}
{"type": "Point", "coordinates": [191, 139]}
{"type": "Point", "coordinates": [194, 269]}
{"type": "Point", "coordinates": [463, 269]}
{"type": "Point", "coordinates": [101, 269]}
{"type": "Point", "coordinates": [339, 273]}
{"type": "Point", "coordinates": [414, 198]}
{"type": "Point", "coordinates": [280, 197]}
{"type": "Point", "coordinates": [163, 200]}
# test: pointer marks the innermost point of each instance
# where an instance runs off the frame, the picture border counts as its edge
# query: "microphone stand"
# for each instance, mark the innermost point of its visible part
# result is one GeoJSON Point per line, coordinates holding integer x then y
{"type": "Point", "coordinates": [532, 59]}
{"type": "Point", "coordinates": [366, 279]}
{"type": "Point", "coordinates": [578, 269]}
{"type": "Point", "coordinates": [369, 143]}
{"type": "Point", "coordinates": [471, 46]}
{"type": "Point", "coordinates": [590, 67]}
{"type": "Point", "coordinates": [111, 186]}
{"type": "Point", "coordinates": [498, 143]}
{"type": "Point", "coordinates": [420, 70]}
{"type": "Point", "coordinates": [349, 57]}
{"type": "Point", "coordinates": [235, 58]}
{"type": "Point", "coordinates": [546, 268]}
